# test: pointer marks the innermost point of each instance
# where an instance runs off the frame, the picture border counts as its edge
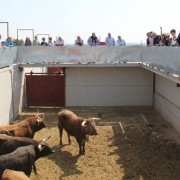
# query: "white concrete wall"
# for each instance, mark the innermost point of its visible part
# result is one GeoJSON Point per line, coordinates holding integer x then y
{"type": "Point", "coordinates": [108, 87]}
{"type": "Point", "coordinates": [167, 100]}
{"type": "Point", "coordinates": [6, 102]}
{"type": "Point", "coordinates": [13, 92]}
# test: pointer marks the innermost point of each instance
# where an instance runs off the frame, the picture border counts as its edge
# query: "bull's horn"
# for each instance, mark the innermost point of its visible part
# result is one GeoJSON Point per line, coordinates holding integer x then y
{"type": "Point", "coordinates": [83, 123]}
{"type": "Point", "coordinates": [45, 139]}
{"type": "Point", "coordinates": [37, 112]}
{"type": "Point", "coordinates": [39, 120]}
{"type": "Point", "coordinates": [40, 147]}
{"type": "Point", "coordinates": [96, 119]}
{"type": "Point", "coordinates": [43, 116]}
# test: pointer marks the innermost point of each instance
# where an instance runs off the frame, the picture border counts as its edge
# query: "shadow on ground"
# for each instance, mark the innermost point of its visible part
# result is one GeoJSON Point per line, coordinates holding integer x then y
{"type": "Point", "coordinates": [66, 161]}
{"type": "Point", "coordinates": [144, 155]}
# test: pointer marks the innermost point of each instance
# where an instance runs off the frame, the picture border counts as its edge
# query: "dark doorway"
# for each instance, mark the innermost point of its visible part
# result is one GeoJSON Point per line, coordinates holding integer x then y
{"type": "Point", "coordinates": [45, 89]}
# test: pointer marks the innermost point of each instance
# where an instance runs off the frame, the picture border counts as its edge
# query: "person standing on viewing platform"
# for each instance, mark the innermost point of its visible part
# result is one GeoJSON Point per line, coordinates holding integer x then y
{"type": "Point", "coordinates": [120, 41]}
{"type": "Point", "coordinates": [44, 43]}
{"type": "Point", "coordinates": [3, 45]}
{"type": "Point", "coordinates": [36, 42]}
{"type": "Point", "coordinates": [178, 40]}
{"type": "Point", "coordinates": [149, 40]}
{"type": "Point", "coordinates": [60, 42]}
{"type": "Point", "coordinates": [156, 39]}
{"type": "Point", "coordinates": [79, 41]}
{"type": "Point", "coordinates": [93, 40]}
{"type": "Point", "coordinates": [50, 43]}
{"type": "Point", "coordinates": [28, 42]}
{"type": "Point", "coordinates": [167, 39]}
{"type": "Point", "coordinates": [162, 39]}
{"type": "Point", "coordinates": [9, 42]}
{"type": "Point", "coordinates": [109, 41]}
{"type": "Point", "coordinates": [173, 38]}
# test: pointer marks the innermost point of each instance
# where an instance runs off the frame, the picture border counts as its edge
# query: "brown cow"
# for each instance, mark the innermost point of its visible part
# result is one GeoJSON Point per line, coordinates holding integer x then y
{"type": "Point", "coordinates": [25, 128]}
{"type": "Point", "coordinates": [13, 175]}
{"type": "Point", "coordinates": [75, 126]}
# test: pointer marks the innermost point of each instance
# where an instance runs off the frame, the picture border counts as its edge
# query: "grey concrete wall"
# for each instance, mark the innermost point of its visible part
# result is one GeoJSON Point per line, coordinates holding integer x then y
{"type": "Point", "coordinates": [108, 87]}
{"type": "Point", "coordinates": [167, 101]}
{"type": "Point", "coordinates": [18, 90]}
{"type": "Point", "coordinates": [7, 56]}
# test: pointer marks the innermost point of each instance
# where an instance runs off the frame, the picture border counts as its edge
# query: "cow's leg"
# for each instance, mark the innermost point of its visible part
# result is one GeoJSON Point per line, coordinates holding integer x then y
{"type": "Point", "coordinates": [60, 133]}
{"type": "Point", "coordinates": [83, 146]}
{"type": "Point", "coordinates": [80, 145]}
{"type": "Point", "coordinates": [4, 131]}
{"type": "Point", "coordinates": [69, 138]}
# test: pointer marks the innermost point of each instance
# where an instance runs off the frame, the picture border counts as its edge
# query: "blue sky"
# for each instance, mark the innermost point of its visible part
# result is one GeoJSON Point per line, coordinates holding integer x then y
{"type": "Point", "coordinates": [68, 18]}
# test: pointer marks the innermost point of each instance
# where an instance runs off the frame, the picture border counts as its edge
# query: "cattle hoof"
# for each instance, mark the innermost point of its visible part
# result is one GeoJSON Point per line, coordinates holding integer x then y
{"type": "Point", "coordinates": [81, 153]}
{"type": "Point", "coordinates": [60, 144]}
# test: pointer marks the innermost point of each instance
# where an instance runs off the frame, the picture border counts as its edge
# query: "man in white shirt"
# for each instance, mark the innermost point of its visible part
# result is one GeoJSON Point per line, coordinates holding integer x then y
{"type": "Point", "coordinates": [79, 41]}
{"type": "Point", "coordinates": [120, 42]}
{"type": "Point", "coordinates": [50, 43]}
{"type": "Point", "coordinates": [60, 42]}
{"type": "Point", "coordinates": [109, 41]}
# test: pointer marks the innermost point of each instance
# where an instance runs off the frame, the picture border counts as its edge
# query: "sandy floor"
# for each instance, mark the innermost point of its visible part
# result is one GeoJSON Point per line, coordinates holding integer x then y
{"type": "Point", "coordinates": [134, 143]}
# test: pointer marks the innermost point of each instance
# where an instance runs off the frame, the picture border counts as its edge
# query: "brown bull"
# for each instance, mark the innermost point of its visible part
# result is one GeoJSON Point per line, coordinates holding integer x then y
{"type": "Point", "coordinates": [75, 126]}
{"type": "Point", "coordinates": [25, 128]}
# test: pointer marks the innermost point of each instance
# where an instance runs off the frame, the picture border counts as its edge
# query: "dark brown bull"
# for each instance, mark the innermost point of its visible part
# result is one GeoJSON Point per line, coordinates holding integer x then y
{"type": "Point", "coordinates": [75, 126]}
{"type": "Point", "coordinates": [8, 144]}
{"type": "Point", "coordinates": [22, 159]}
{"type": "Point", "coordinates": [25, 128]}
{"type": "Point", "coordinates": [13, 175]}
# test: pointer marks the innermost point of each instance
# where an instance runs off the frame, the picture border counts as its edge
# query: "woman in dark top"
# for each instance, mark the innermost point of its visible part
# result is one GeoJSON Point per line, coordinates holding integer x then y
{"type": "Point", "coordinates": [28, 42]}
{"type": "Point", "coordinates": [44, 43]}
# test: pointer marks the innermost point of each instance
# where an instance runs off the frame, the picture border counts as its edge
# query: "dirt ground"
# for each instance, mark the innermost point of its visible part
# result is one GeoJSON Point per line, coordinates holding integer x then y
{"type": "Point", "coordinates": [134, 143]}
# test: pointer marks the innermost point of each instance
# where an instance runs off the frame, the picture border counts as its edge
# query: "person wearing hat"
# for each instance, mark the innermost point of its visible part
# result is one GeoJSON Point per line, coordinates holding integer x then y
{"type": "Point", "coordinates": [120, 42]}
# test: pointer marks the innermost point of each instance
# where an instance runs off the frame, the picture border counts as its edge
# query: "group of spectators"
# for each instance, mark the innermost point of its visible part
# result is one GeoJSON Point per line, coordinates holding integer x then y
{"type": "Point", "coordinates": [109, 41]}
{"type": "Point", "coordinates": [165, 39]}
{"type": "Point", "coordinates": [92, 41]}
